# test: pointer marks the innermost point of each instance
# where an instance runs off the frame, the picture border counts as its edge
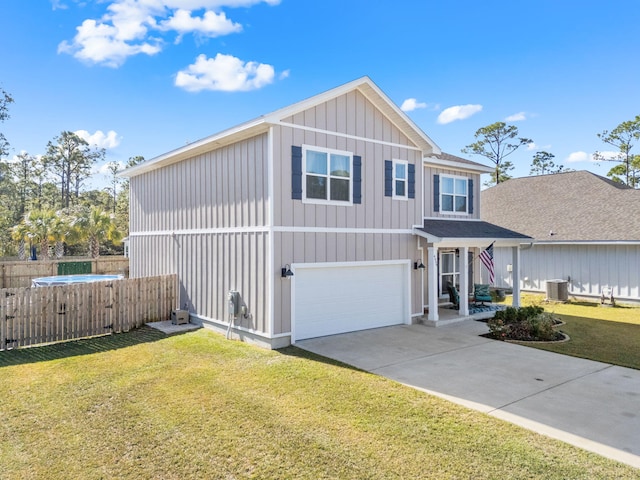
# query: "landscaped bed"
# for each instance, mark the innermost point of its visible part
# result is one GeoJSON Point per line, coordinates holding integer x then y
{"type": "Point", "coordinates": [140, 405]}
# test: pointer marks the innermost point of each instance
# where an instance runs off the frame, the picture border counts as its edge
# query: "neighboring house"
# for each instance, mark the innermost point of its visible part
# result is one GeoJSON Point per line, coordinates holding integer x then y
{"type": "Point", "coordinates": [343, 191]}
{"type": "Point", "coordinates": [586, 230]}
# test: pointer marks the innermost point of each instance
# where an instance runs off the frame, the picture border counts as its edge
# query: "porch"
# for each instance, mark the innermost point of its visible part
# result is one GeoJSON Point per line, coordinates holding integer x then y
{"type": "Point", "coordinates": [448, 315]}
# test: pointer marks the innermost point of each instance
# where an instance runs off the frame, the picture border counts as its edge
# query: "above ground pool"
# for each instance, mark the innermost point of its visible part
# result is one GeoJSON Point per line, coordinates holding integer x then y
{"type": "Point", "coordinates": [69, 279]}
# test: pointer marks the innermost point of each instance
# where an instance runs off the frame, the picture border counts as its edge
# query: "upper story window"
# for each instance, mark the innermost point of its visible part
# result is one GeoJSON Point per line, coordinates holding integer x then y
{"type": "Point", "coordinates": [400, 178]}
{"type": "Point", "coordinates": [327, 175]}
{"type": "Point", "coordinates": [454, 194]}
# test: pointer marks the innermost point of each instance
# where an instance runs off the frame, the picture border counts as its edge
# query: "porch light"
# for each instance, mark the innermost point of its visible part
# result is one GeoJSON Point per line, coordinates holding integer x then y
{"type": "Point", "coordinates": [418, 265]}
{"type": "Point", "coordinates": [286, 271]}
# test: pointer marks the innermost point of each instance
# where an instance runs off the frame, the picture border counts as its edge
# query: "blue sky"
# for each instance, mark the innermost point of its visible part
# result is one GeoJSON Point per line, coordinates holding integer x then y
{"type": "Point", "coordinates": [142, 77]}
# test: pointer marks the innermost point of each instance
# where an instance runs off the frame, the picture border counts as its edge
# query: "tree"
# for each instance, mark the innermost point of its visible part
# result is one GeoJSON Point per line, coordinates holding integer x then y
{"type": "Point", "coordinates": [623, 138]}
{"type": "Point", "coordinates": [38, 226]}
{"type": "Point", "coordinates": [543, 164]}
{"type": "Point", "coordinates": [5, 100]}
{"type": "Point", "coordinates": [122, 205]}
{"type": "Point", "coordinates": [70, 158]}
{"type": "Point", "coordinates": [114, 182]}
{"type": "Point", "coordinates": [495, 142]}
{"type": "Point", "coordinates": [23, 173]}
{"type": "Point", "coordinates": [96, 226]}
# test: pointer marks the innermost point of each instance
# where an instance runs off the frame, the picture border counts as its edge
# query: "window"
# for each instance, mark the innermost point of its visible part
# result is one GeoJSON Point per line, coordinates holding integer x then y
{"type": "Point", "coordinates": [327, 175]}
{"type": "Point", "coordinates": [454, 194]}
{"type": "Point", "coordinates": [449, 271]}
{"type": "Point", "coordinates": [400, 176]}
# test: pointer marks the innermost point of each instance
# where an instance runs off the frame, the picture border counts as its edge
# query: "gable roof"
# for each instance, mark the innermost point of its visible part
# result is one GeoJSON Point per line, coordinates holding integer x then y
{"type": "Point", "coordinates": [443, 159]}
{"type": "Point", "coordinates": [565, 207]}
{"type": "Point", "coordinates": [261, 124]}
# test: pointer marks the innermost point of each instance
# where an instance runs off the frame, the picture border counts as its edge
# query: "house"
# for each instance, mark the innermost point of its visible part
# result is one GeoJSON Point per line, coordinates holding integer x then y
{"type": "Point", "coordinates": [334, 214]}
{"type": "Point", "coordinates": [586, 231]}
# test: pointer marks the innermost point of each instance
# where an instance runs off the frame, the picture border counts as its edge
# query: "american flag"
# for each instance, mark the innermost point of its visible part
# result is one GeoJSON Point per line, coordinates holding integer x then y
{"type": "Point", "coordinates": [487, 259]}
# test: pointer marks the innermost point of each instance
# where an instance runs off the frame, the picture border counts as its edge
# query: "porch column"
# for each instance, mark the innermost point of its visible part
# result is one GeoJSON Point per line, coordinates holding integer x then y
{"type": "Point", "coordinates": [464, 281]}
{"type": "Point", "coordinates": [515, 261]}
{"type": "Point", "coordinates": [432, 271]}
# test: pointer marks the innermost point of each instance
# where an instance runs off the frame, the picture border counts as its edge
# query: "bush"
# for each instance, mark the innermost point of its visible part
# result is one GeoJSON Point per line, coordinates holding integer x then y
{"type": "Point", "coordinates": [530, 323]}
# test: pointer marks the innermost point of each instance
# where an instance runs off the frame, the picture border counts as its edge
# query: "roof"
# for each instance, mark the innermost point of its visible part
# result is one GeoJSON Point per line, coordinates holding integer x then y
{"type": "Point", "coordinates": [447, 160]}
{"type": "Point", "coordinates": [565, 207]}
{"type": "Point", "coordinates": [468, 231]}
{"type": "Point", "coordinates": [261, 124]}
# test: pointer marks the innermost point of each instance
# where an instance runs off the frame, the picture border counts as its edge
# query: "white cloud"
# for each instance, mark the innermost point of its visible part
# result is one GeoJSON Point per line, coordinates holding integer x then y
{"type": "Point", "coordinates": [516, 117]}
{"type": "Point", "coordinates": [535, 146]}
{"type": "Point", "coordinates": [224, 73]}
{"type": "Point", "coordinates": [411, 104]}
{"type": "Point", "coordinates": [100, 139]}
{"type": "Point", "coordinates": [104, 168]}
{"type": "Point", "coordinates": [458, 112]}
{"type": "Point", "coordinates": [590, 157]}
{"type": "Point", "coordinates": [133, 27]}
{"type": "Point", "coordinates": [211, 24]}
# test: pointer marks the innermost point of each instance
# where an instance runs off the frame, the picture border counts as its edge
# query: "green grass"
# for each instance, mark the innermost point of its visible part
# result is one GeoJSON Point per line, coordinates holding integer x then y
{"type": "Point", "coordinates": [604, 334]}
{"type": "Point", "coordinates": [140, 405]}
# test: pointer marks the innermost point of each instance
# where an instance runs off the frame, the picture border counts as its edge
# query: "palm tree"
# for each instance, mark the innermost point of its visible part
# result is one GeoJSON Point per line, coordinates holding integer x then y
{"type": "Point", "coordinates": [96, 226]}
{"type": "Point", "coordinates": [37, 226]}
{"type": "Point", "coordinates": [20, 233]}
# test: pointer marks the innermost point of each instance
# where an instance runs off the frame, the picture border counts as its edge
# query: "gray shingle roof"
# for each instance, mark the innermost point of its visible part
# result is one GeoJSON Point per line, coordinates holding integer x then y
{"type": "Point", "coordinates": [575, 206]}
{"type": "Point", "coordinates": [469, 229]}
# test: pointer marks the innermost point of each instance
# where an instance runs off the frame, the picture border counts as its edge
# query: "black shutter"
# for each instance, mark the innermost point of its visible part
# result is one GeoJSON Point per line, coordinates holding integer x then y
{"type": "Point", "coordinates": [388, 178]}
{"type": "Point", "coordinates": [412, 181]}
{"type": "Point", "coordinates": [296, 172]}
{"type": "Point", "coordinates": [357, 179]}
{"type": "Point", "coordinates": [436, 193]}
{"type": "Point", "coordinates": [470, 197]}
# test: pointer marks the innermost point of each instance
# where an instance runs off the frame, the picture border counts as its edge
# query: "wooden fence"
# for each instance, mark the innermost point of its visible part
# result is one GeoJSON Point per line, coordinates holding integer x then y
{"type": "Point", "coordinates": [32, 316]}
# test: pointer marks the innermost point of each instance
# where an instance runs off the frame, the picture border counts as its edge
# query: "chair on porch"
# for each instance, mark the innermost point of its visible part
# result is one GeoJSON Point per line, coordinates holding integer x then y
{"type": "Point", "coordinates": [481, 293]}
{"type": "Point", "coordinates": [454, 296]}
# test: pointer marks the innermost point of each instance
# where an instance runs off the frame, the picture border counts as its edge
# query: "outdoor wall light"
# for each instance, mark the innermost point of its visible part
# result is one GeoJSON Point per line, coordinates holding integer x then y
{"type": "Point", "coordinates": [418, 265]}
{"type": "Point", "coordinates": [286, 271]}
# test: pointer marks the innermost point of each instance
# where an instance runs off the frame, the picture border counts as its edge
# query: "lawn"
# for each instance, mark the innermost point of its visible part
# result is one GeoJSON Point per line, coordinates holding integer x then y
{"type": "Point", "coordinates": [604, 334]}
{"type": "Point", "coordinates": [142, 405]}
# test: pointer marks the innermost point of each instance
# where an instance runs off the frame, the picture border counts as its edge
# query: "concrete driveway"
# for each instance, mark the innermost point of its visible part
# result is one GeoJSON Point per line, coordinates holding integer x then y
{"type": "Point", "coordinates": [589, 404]}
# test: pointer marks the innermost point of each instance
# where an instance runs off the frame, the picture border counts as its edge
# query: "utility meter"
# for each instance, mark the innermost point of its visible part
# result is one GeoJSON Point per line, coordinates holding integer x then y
{"type": "Point", "coordinates": [234, 302]}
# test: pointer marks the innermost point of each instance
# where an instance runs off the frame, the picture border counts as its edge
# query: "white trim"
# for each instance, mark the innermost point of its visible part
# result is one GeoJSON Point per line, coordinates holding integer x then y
{"type": "Point", "coordinates": [394, 195]}
{"type": "Point", "coordinates": [271, 229]}
{"type": "Point", "coordinates": [345, 135]}
{"type": "Point", "coordinates": [253, 331]}
{"type": "Point", "coordinates": [470, 219]}
{"type": "Point", "coordinates": [271, 248]}
{"type": "Point", "coordinates": [585, 242]}
{"type": "Point", "coordinates": [454, 195]}
{"type": "Point", "coordinates": [457, 165]}
{"type": "Point", "coordinates": [328, 151]}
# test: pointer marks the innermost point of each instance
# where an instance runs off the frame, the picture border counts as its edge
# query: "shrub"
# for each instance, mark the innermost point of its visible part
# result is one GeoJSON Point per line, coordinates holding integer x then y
{"type": "Point", "coordinates": [529, 323]}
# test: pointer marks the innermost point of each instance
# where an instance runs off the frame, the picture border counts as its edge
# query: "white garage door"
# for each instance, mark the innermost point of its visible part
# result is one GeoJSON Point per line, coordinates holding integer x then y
{"type": "Point", "coordinates": [331, 300]}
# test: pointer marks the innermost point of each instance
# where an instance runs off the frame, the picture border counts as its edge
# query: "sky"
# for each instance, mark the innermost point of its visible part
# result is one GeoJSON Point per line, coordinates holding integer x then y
{"type": "Point", "coordinates": [143, 77]}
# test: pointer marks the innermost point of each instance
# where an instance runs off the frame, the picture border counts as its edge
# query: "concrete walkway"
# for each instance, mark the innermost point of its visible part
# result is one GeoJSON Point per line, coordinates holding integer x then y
{"type": "Point", "coordinates": [589, 404]}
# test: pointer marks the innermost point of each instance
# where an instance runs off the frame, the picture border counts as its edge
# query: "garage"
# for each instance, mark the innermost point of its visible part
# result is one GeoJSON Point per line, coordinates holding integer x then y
{"type": "Point", "coordinates": [328, 300]}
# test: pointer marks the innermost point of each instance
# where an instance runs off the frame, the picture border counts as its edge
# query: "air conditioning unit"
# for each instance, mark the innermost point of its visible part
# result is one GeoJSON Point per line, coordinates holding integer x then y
{"type": "Point", "coordinates": [179, 317]}
{"type": "Point", "coordinates": [557, 290]}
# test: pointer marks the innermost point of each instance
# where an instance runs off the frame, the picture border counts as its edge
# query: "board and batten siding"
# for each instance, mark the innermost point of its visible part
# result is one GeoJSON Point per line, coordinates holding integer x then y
{"type": "Point", "coordinates": [224, 188]}
{"type": "Point", "coordinates": [205, 219]}
{"type": "Point", "coordinates": [343, 248]}
{"type": "Point", "coordinates": [428, 174]}
{"type": "Point", "coordinates": [590, 267]}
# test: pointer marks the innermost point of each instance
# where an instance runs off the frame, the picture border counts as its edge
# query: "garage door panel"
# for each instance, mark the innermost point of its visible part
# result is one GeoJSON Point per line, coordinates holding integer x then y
{"type": "Point", "coordinates": [331, 300]}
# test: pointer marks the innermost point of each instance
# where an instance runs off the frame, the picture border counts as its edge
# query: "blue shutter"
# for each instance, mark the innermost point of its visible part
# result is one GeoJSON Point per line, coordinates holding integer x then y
{"type": "Point", "coordinates": [470, 197]}
{"type": "Point", "coordinates": [388, 178]}
{"type": "Point", "coordinates": [357, 179]}
{"type": "Point", "coordinates": [436, 193]}
{"type": "Point", "coordinates": [412, 181]}
{"type": "Point", "coordinates": [296, 172]}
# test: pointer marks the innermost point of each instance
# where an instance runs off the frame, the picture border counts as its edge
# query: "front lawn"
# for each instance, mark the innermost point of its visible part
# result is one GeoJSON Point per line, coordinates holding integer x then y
{"type": "Point", "coordinates": [605, 334]}
{"type": "Point", "coordinates": [198, 406]}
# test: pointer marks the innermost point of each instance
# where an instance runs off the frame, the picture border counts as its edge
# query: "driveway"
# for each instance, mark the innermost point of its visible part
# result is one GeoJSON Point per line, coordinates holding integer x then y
{"type": "Point", "coordinates": [589, 404]}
